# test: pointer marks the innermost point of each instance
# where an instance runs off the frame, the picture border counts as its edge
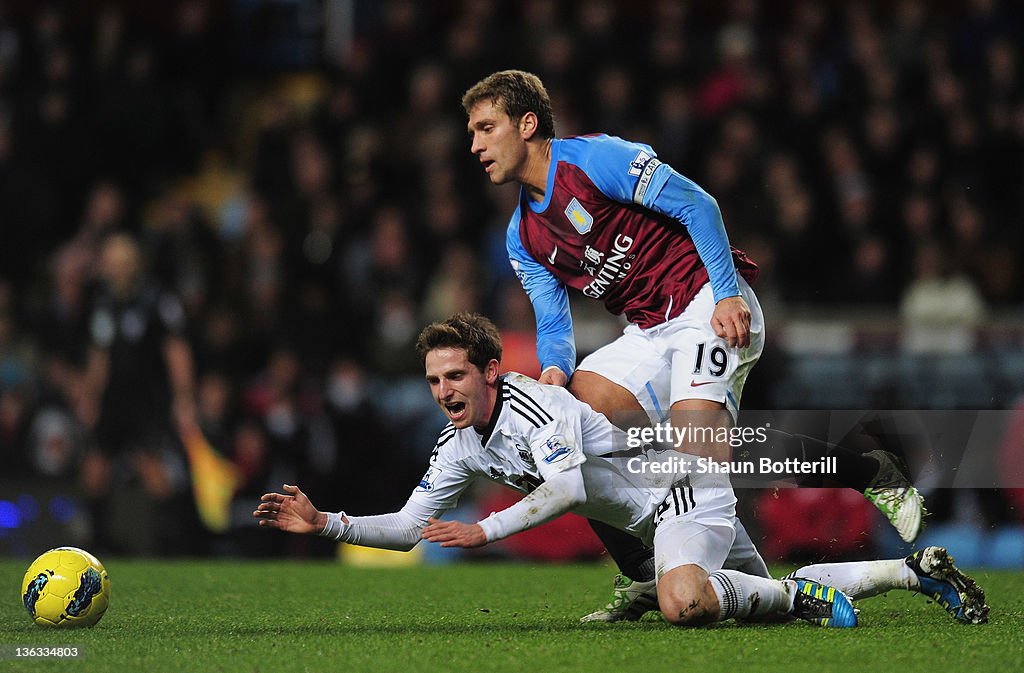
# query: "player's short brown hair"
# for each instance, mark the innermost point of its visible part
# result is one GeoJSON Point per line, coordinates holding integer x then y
{"type": "Point", "coordinates": [516, 92]}
{"type": "Point", "coordinates": [470, 331]}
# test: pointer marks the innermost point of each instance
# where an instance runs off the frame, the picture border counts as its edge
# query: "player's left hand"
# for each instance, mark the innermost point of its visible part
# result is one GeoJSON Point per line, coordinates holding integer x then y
{"type": "Point", "coordinates": [454, 533]}
{"type": "Point", "coordinates": [553, 376]}
{"type": "Point", "coordinates": [731, 321]}
{"type": "Point", "coordinates": [290, 511]}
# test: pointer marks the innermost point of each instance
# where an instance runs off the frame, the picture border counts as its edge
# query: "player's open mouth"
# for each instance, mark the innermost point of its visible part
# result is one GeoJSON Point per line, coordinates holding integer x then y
{"type": "Point", "coordinates": [487, 165]}
{"type": "Point", "coordinates": [456, 410]}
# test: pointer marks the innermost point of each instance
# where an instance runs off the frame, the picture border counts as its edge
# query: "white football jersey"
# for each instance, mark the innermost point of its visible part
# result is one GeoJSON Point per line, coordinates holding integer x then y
{"type": "Point", "coordinates": [537, 431]}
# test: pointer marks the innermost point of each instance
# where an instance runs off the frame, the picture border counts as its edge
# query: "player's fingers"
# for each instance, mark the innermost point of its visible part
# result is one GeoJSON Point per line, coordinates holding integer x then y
{"type": "Point", "coordinates": [744, 336]}
{"type": "Point", "coordinates": [442, 535]}
{"type": "Point", "coordinates": [721, 331]}
{"type": "Point", "coordinates": [729, 333]}
{"type": "Point", "coordinates": [438, 534]}
{"type": "Point", "coordinates": [739, 330]}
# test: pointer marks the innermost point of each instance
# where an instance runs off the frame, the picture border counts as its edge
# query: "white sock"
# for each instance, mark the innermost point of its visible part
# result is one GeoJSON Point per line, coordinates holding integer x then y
{"type": "Point", "coordinates": [862, 579]}
{"type": "Point", "coordinates": [752, 598]}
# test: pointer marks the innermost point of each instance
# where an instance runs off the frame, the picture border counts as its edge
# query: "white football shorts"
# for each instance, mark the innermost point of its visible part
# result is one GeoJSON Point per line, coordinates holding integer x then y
{"type": "Point", "coordinates": [681, 359]}
{"type": "Point", "coordinates": [694, 526]}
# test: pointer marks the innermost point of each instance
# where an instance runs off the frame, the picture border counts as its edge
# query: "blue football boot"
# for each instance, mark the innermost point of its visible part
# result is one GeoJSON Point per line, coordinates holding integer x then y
{"type": "Point", "coordinates": [823, 605]}
{"type": "Point", "coordinates": [944, 583]}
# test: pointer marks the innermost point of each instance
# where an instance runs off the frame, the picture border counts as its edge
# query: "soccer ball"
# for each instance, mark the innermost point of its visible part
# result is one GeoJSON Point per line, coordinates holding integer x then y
{"type": "Point", "coordinates": [66, 587]}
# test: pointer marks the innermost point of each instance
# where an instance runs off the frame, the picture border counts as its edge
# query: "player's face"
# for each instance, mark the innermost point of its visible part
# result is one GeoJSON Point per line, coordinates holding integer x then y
{"type": "Point", "coordinates": [497, 142]}
{"type": "Point", "coordinates": [466, 394]}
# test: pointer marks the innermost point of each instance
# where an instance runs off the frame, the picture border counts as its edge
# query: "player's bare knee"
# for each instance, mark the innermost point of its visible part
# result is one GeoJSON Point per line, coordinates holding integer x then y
{"type": "Point", "coordinates": [685, 608]}
{"type": "Point", "coordinates": [684, 601]}
{"type": "Point", "coordinates": [686, 597]}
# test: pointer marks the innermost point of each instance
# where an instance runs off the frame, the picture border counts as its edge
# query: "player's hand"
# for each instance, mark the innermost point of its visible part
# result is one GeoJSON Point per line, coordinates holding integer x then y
{"type": "Point", "coordinates": [291, 512]}
{"type": "Point", "coordinates": [731, 321]}
{"type": "Point", "coordinates": [454, 533]}
{"type": "Point", "coordinates": [553, 376]}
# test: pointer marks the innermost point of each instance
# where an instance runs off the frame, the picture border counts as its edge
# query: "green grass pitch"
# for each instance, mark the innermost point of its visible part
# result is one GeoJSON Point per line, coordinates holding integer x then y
{"type": "Point", "coordinates": [316, 616]}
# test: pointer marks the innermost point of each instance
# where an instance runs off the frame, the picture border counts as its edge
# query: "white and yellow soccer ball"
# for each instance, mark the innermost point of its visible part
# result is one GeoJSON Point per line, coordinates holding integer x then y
{"type": "Point", "coordinates": [66, 587]}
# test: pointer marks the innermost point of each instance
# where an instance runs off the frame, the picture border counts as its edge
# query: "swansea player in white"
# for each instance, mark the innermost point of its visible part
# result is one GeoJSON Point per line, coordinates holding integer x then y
{"type": "Point", "coordinates": [543, 442]}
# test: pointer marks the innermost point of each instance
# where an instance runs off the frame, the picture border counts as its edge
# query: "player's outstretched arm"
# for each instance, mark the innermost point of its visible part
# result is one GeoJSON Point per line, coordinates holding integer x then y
{"type": "Point", "coordinates": [560, 493]}
{"type": "Point", "coordinates": [291, 512]}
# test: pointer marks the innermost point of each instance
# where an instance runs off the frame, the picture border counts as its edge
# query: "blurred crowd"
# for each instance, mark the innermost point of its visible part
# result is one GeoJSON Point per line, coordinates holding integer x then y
{"type": "Point", "coordinates": [291, 224]}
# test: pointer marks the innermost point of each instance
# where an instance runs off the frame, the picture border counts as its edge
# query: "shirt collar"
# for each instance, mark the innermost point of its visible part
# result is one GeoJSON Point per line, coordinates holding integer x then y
{"type": "Point", "coordinates": [495, 413]}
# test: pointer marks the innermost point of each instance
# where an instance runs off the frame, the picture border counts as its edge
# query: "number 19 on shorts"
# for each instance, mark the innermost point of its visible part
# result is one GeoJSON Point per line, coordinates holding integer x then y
{"type": "Point", "coordinates": [717, 360]}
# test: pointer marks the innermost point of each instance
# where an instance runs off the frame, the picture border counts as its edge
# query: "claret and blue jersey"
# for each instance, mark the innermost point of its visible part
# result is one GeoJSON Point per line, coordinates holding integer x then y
{"type": "Point", "coordinates": [611, 225]}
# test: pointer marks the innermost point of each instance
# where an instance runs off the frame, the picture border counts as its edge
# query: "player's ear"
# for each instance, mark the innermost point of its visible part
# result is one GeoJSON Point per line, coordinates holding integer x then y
{"type": "Point", "coordinates": [491, 371]}
{"type": "Point", "coordinates": [528, 125]}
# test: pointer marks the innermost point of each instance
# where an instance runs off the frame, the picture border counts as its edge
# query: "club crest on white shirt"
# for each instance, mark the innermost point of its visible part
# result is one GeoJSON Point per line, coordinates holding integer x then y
{"type": "Point", "coordinates": [524, 454]}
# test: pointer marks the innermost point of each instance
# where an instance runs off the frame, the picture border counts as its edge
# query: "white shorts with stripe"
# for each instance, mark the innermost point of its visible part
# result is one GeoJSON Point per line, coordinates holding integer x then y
{"type": "Point", "coordinates": [681, 359]}
{"type": "Point", "coordinates": [698, 526]}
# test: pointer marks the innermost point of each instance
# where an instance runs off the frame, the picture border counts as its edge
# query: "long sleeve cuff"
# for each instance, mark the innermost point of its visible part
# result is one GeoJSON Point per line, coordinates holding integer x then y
{"type": "Point", "coordinates": [335, 526]}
